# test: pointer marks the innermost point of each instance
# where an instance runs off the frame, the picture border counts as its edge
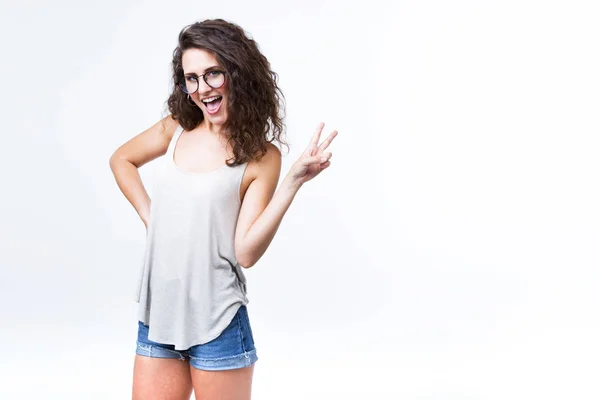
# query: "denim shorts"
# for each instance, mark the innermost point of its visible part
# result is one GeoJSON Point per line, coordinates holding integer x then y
{"type": "Point", "coordinates": [233, 348]}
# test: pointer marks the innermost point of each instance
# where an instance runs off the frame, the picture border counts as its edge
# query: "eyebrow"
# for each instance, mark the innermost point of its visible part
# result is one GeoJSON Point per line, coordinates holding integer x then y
{"type": "Point", "coordinates": [205, 71]}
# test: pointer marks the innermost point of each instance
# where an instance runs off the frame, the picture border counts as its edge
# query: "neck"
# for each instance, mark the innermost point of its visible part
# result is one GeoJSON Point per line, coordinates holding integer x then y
{"type": "Point", "coordinates": [214, 129]}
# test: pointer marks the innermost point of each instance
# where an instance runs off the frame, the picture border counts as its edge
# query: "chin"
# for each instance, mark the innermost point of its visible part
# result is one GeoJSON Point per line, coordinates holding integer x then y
{"type": "Point", "coordinates": [217, 120]}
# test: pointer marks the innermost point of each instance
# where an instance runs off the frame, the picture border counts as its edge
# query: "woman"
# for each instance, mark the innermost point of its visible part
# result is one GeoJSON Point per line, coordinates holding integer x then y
{"type": "Point", "coordinates": [214, 211]}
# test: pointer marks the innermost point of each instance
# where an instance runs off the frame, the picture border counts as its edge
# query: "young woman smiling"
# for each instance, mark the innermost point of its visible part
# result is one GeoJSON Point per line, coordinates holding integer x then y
{"type": "Point", "coordinates": [214, 211]}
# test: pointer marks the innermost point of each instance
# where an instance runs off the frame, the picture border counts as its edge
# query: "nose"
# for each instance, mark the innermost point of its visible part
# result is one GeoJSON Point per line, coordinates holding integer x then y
{"type": "Point", "coordinates": [203, 87]}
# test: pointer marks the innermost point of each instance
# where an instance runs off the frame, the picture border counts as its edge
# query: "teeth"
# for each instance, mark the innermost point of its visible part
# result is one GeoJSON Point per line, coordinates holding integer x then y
{"type": "Point", "coordinates": [210, 99]}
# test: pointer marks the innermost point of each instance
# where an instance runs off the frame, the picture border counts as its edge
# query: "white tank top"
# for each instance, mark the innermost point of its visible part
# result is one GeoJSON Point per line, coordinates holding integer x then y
{"type": "Point", "coordinates": [191, 285]}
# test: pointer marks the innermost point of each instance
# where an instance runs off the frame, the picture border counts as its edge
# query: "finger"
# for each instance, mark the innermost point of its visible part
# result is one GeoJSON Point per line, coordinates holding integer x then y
{"type": "Point", "coordinates": [311, 150]}
{"type": "Point", "coordinates": [327, 141]}
{"type": "Point", "coordinates": [318, 159]}
{"type": "Point", "coordinates": [317, 134]}
{"type": "Point", "coordinates": [314, 143]}
{"type": "Point", "coordinates": [323, 166]}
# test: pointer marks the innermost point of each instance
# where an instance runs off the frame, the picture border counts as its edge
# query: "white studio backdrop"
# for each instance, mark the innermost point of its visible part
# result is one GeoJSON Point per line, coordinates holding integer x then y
{"type": "Point", "coordinates": [449, 252]}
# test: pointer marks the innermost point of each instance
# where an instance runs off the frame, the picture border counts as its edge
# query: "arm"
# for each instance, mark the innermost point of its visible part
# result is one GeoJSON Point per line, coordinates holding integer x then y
{"type": "Point", "coordinates": [126, 160]}
{"type": "Point", "coordinates": [261, 211]}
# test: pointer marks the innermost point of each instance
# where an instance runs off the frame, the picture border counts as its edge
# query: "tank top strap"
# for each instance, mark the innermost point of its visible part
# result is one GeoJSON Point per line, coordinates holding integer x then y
{"type": "Point", "coordinates": [171, 148]}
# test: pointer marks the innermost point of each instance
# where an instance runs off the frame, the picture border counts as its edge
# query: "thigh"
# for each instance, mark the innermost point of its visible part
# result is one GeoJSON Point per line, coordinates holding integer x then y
{"type": "Point", "coordinates": [232, 384]}
{"type": "Point", "coordinates": [222, 369]}
{"type": "Point", "coordinates": [161, 379]}
{"type": "Point", "coordinates": [159, 372]}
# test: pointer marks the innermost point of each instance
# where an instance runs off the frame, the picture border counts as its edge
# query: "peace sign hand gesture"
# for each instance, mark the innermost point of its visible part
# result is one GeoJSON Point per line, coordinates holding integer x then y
{"type": "Point", "coordinates": [314, 159]}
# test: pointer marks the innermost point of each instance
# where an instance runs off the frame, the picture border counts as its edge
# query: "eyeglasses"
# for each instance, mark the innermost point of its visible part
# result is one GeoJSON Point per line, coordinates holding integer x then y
{"type": "Point", "coordinates": [215, 79]}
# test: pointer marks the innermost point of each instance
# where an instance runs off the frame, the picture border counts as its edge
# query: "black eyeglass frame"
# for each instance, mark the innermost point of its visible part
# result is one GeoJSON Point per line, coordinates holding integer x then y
{"type": "Point", "coordinates": [182, 84]}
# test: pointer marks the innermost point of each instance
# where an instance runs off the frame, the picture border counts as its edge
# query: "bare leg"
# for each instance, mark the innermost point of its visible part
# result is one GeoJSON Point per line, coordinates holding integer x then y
{"type": "Point", "coordinates": [233, 384]}
{"type": "Point", "coordinates": [161, 379]}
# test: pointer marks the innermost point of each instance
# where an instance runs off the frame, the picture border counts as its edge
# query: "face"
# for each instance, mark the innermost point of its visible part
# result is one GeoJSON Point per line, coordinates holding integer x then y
{"type": "Point", "coordinates": [196, 62]}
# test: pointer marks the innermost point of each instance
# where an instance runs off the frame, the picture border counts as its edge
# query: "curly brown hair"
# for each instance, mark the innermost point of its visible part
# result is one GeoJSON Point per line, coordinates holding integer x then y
{"type": "Point", "coordinates": [256, 102]}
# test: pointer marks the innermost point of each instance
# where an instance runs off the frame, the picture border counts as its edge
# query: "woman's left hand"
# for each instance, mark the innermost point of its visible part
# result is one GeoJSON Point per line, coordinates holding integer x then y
{"type": "Point", "coordinates": [313, 160]}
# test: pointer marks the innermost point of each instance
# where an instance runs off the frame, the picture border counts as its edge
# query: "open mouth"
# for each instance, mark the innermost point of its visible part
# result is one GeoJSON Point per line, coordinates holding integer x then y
{"type": "Point", "coordinates": [213, 104]}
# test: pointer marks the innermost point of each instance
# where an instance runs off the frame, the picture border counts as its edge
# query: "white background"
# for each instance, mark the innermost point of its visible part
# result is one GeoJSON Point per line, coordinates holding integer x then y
{"type": "Point", "coordinates": [449, 252]}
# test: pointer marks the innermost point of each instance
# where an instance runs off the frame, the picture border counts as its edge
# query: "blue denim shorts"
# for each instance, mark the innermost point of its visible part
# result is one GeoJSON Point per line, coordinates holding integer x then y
{"type": "Point", "coordinates": [233, 348]}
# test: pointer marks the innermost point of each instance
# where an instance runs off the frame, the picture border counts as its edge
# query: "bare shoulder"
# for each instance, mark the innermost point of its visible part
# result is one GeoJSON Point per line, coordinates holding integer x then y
{"type": "Point", "coordinates": [164, 127]}
{"type": "Point", "coordinates": [149, 144]}
{"type": "Point", "coordinates": [268, 165]}
{"type": "Point", "coordinates": [169, 126]}
{"type": "Point", "coordinates": [272, 157]}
